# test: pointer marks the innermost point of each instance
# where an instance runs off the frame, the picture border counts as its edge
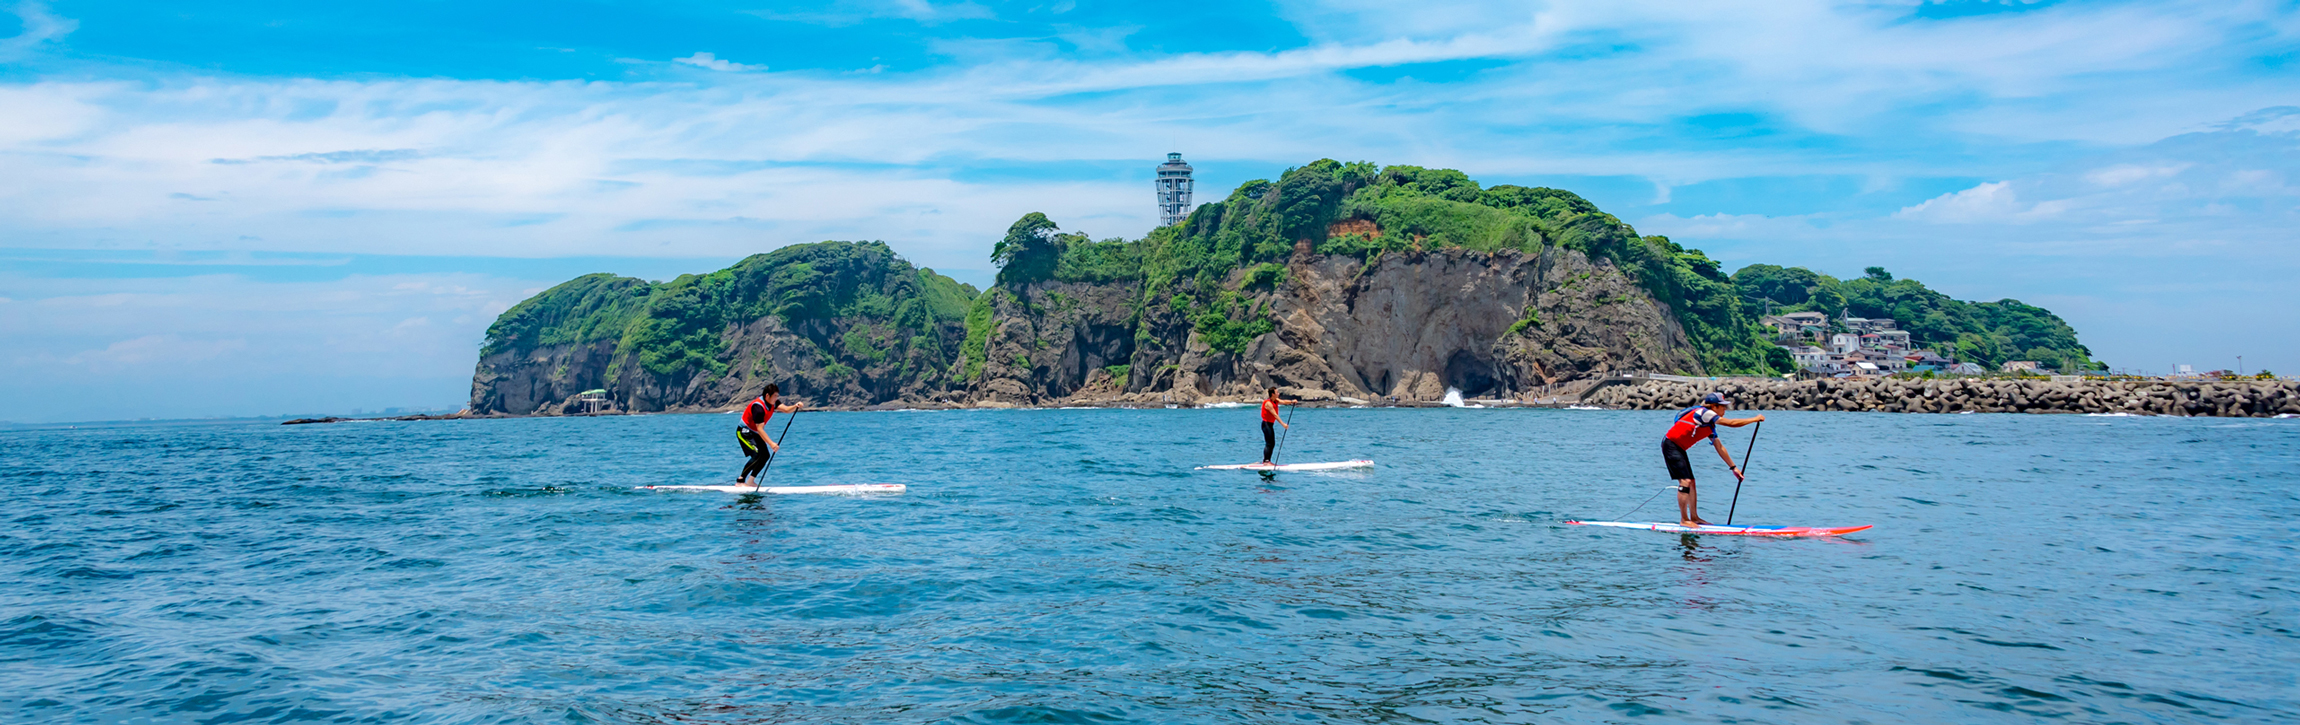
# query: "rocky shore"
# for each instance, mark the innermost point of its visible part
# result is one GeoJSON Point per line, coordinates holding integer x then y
{"type": "Point", "coordinates": [2267, 398]}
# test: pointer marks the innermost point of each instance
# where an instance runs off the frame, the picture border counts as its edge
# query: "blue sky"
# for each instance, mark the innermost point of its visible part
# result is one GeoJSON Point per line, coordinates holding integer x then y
{"type": "Point", "coordinates": [269, 207]}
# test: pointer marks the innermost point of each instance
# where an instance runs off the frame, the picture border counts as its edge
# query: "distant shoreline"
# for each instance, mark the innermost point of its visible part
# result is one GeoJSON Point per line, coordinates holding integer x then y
{"type": "Point", "coordinates": [2259, 399]}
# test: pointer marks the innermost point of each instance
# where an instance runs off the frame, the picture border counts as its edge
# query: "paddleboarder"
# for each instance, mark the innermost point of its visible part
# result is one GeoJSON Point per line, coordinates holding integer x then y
{"type": "Point", "coordinates": [1694, 424]}
{"type": "Point", "coordinates": [756, 443]}
{"type": "Point", "coordinates": [1271, 421]}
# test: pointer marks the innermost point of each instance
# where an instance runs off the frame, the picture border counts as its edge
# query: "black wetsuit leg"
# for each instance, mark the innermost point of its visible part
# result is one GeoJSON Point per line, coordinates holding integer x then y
{"type": "Point", "coordinates": [1269, 439]}
{"type": "Point", "coordinates": [756, 449]}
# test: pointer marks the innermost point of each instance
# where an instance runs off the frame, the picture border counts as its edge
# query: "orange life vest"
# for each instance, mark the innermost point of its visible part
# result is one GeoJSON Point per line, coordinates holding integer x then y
{"type": "Point", "coordinates": [1269, 411]}
{"type": "Point", "coordinates": [1689, 429]}
{"type": "Point", "coordinates": [758, 403]}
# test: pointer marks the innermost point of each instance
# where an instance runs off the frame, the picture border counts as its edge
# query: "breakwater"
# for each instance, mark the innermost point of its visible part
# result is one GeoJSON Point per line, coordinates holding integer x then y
{"type": "Point", "coordinates": [2266, 398]}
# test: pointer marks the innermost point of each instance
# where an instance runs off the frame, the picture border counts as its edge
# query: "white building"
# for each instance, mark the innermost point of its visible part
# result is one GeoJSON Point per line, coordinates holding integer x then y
{"type": "Point", "coordinates": [1844, 343]}
{"type": "Point", "coordinates": [1809, 357]}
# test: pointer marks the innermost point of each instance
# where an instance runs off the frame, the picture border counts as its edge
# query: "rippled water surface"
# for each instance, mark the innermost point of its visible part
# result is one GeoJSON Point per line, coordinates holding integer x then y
{"type": "Point", "coordinates": [1069, 566]}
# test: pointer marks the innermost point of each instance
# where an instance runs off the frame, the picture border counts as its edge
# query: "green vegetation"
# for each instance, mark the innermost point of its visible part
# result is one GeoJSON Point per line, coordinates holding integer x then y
{"type": "Point", "coordinates": [680, 324]}
{"type": "Point", "coordinates": [976, 348]}
{"type": "Point", "coordinates": [1988, 333]}
{"type": "Point", "coordinates": [1119, 373]}
{"type": "Point", "coordinates": [1229, 326]}
{"type": "Point", "coordinates": [1532, 319]}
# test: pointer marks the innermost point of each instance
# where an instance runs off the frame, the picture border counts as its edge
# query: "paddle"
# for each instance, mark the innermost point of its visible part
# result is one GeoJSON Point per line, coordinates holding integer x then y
{"type": "Point", "coordinates": [1742, 477]}
{"type": "Point", "coordinates": [1282, 436]}
{"type": "Point", "coordinates": [761, 481]}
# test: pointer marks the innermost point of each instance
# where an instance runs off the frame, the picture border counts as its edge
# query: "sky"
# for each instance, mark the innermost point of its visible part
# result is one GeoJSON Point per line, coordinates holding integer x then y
{"type": "Point", "coordinates": [260, 208]}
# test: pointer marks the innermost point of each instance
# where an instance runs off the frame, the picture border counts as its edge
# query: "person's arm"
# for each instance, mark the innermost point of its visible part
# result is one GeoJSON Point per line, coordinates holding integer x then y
{"type": "Point", "coordinates": [1721, 453]}
{"type": "Point", "coordinates": [772, 444]}
{"type": "Point", "coordinates": [1738, 422]}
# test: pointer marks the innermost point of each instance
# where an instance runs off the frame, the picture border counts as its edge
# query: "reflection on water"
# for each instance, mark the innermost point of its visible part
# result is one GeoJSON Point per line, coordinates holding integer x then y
{"type": "Point", "coordinates": [1069, 566]}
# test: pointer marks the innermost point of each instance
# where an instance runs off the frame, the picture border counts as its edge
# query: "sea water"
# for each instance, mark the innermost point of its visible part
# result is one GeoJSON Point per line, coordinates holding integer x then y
{"type": "Point", "coordinates": [1069, 566]}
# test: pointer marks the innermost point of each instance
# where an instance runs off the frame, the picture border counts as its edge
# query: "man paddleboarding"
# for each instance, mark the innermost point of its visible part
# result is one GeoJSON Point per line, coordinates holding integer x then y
{"type": "Point", "coordinates": [1694, 424]}
{"type": "Point", "coordinates": [1271, 421]}
{"type": "Point", "coordinates": [759, 446]}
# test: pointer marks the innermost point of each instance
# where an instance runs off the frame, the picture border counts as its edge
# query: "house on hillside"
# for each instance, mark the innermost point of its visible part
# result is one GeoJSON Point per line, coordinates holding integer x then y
{"type": "Point", "coordinates": [1926, 361]}
{"type": "Point", "coordinates": [1844, 343]}
{"type": "Point", "coordinates": [1797, 325]}
{"type": "Point", "coordinates": [1808, 357]}
{"type": "Point", "coordinates": [1869, 324]}
{"type": "Point", "coordinates": [2019, 366]}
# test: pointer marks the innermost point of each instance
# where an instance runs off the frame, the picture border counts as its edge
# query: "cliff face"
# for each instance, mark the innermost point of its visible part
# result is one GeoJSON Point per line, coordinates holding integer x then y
{"type": "Point", "coordinates": [1406, 326]}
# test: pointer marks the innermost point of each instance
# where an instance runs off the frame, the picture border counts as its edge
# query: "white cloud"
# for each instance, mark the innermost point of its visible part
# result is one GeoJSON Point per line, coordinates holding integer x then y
{"type": "Point", "coordinates": [40, 26]}
{"type": "Point", "coordinates": [1987, 203]}
{"type": "Point", "coordinates": [707, 60]}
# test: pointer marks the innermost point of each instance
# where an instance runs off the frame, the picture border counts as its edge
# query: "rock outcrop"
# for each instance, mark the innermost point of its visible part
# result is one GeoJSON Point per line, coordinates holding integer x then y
{"type": "Point", "coordinates": [837, 324]}
{"type": "Point", "coordinates": [1403, 326]}
{"type": "Point", "coordinates": [2265, 398]}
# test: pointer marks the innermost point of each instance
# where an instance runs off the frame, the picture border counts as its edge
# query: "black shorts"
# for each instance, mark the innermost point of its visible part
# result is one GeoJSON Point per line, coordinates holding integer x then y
{"type": "Point", "coordinates": [1680, 468]}
{"type": "Point", "coordinates": [752, 446]}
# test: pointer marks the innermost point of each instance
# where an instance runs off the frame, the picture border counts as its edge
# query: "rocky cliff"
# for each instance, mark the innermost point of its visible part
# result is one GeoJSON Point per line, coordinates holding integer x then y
{"type": "Point", "coordinates": [1405, 326]}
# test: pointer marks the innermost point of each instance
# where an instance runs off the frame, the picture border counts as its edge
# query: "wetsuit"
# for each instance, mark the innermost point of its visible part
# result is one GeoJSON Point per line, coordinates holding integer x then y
{"type": "Point", "coordinates": [1269, 429]}
{"type": "Point", "coordinates": [756, 413]}
{"type": "Point", "coordinates": [1693, 424]}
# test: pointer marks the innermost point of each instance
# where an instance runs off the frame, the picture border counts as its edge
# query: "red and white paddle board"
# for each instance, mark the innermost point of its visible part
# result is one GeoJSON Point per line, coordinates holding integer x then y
{"type": "Point", "coordinates": [1728, 530]}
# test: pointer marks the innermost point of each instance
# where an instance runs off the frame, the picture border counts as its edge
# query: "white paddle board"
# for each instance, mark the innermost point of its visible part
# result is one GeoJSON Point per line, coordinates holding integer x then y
{"type": "Point", "coordinates": [851, 489]}
{"type": "Point", "coordinates": [1331, 466]}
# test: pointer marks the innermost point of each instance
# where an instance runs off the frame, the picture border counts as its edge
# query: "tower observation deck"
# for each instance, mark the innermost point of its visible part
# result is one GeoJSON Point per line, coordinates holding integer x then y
{"type": "Point", "coordinates": [1173, 191]}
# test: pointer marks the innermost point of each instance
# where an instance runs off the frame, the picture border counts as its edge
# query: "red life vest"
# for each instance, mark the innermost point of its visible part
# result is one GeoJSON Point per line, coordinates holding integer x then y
{"type": "Point", "coordinates": [1269, 411]}
{"type": "Point", "coordinates": [1689, 430]}
{"type": "Point", "coordinates": [758, 403]}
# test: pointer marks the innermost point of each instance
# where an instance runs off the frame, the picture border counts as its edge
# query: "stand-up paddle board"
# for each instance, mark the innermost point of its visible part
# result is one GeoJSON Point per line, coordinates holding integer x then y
{"type": "Point", "coordinates": [852, 489]}
{"type": "Point", "coordinates": [1332, 466]}
{"type": "Point", "coordinates": [1730, 530]}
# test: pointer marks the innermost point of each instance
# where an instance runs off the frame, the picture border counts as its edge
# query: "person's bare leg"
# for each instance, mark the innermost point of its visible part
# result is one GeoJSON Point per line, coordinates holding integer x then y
{"type": "Point", "coordinates": [1687, 500]}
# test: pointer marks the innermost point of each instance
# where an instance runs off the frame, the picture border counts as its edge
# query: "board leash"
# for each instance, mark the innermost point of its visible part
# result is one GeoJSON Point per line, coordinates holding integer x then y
{"type": "Point", "coordinates": [762, 479]}
{"type": "Point", "coordinates": [1743, 478]}
{"type": "Point", "coordinates": [1625, 514]}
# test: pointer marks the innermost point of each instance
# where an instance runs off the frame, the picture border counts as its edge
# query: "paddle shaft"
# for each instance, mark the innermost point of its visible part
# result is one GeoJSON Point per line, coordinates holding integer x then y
{"type": "Point", "coordinates": [761, 481]}
{"type": "Point", "coordinates": [1738, 480]}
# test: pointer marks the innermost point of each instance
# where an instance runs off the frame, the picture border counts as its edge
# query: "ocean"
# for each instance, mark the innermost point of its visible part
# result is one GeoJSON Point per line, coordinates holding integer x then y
{"type": "Point", "coordinates": [1070, 566]}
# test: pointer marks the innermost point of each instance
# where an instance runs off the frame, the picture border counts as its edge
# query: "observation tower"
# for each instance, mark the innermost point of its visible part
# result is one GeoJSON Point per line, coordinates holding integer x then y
{"type": "Point", "coordinates": [1173, 191]}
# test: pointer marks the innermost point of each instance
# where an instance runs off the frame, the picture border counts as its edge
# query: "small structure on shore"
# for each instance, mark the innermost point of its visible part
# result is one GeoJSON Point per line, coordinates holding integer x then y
{"type": "Point", "coordinates": [592, 400]}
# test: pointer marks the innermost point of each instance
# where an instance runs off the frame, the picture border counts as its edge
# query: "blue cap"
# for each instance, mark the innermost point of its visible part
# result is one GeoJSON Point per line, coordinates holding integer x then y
{"type": "Point", "coordinates": [1714, 399]}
